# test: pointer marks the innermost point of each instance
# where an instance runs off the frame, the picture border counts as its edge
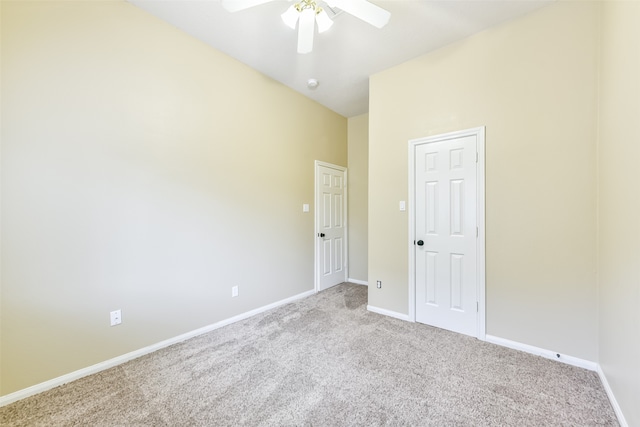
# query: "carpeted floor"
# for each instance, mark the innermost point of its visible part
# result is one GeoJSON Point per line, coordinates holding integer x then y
{"type": "Point", "coordinates": [326, 361]}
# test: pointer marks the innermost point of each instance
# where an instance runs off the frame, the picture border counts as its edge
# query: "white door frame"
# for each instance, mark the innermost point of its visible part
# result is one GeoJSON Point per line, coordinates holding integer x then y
{"type": "Point", "coordinates": [316, 223]}
{"type": "Point", "coordinates": [480, 241]}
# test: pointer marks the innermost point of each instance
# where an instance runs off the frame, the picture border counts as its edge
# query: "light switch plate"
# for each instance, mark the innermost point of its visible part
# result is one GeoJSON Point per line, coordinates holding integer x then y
{"type": "Point", "coordinates": [116, 317]}
{"type": "Point", "coordinates": [403, 205]}
{"type": "Point", "coordinates": [305, 207]}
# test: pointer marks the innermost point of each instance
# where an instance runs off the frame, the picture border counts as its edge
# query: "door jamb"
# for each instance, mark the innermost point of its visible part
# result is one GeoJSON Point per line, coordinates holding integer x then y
{"type": "Point", "coordinates": [479, 133]}
{"type": "Point", "coordinates": [316, 222]}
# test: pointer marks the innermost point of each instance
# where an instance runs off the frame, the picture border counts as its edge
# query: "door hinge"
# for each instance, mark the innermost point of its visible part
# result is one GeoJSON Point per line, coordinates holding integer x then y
{"type": "Point", "coordinates": [477, 231]}
{"type": "Point", "coordinates": [477, 157]}
{"type": "Point", "coordinates": [477, 306]}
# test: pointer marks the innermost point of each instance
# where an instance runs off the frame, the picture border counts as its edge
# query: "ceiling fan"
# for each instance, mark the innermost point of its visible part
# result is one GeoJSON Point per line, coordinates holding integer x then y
{"type": "Point", "coordinates": [307, 13]}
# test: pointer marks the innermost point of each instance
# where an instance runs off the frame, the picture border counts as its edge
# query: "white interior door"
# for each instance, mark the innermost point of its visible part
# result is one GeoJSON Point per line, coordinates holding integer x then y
{"type": "Point", "coordinates": [446, 221]}
{"type": "Point", "coordinates": [331, 226]}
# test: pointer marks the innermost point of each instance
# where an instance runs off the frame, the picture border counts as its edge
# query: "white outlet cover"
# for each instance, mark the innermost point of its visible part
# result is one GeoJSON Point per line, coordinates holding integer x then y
{"type": "Point", "coordinates": [234, 291]}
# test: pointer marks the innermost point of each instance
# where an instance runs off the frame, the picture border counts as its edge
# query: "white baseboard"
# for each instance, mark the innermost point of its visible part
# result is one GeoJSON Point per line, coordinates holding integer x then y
{"type": "Point", "coordinates": [570, 360]}
{"type": "Point", "coordinates": [55, 382]}
{"type": "Point", "coordinates": [614, 403]}
{"type": "Point", "coordinates": [358, 282]}
{"type": "Point", "coordinates": [548, 354]}
{"type": "Point", "coordinates": [389, 313]}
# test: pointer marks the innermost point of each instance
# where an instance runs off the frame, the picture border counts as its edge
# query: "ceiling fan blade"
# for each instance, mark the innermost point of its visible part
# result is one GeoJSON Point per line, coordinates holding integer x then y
{"type": "Point", "coordinates": [362, 9]}
{"type": "Point", "coordinates": [237, 5]}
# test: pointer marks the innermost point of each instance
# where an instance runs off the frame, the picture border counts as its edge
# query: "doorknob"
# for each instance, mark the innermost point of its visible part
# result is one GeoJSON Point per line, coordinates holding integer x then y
{"type": "Point", "coordinates": [420, 243]}
{"type": "Point", "coordinates": [321, 234]}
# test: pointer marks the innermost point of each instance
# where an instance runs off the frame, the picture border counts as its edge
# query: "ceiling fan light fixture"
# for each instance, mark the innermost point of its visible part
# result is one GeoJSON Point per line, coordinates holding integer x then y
{"type": "Point", "coordinates": [290, 17]}
{"type": "Point", "coordinates": [306, 28]}
{"type": "Point", "coordinates": [307, 13]}
{"type": "Point", "coordinates": [323, 21]}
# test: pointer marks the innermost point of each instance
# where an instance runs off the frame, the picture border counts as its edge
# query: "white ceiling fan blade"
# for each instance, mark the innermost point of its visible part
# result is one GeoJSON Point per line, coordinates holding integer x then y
{"type": "Point", "coordinates": [237, 5]}
{"type": "Point", "coordinates": [362, 9]}
{"type": "Point", "coordinates": [306, 28]}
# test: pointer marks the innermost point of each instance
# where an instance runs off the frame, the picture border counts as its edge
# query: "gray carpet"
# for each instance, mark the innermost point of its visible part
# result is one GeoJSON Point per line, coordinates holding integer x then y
{"type": "Point", "coordinates": [326, 361]}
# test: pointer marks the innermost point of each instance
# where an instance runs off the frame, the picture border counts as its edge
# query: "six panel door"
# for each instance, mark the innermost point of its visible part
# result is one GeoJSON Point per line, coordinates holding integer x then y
{"type": "Point", "coordinates": [331, 231]}
{"type": "Point", "coordinates": [446, 232]}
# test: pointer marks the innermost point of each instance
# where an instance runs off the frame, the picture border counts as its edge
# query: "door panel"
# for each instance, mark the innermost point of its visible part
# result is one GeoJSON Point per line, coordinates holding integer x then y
{"type": "Point", "coordinates": [431, 260]}
{"type": "Point", "coordinates": [337, 250]}
{"type": "Point", "coordinates": [445, 220]}
{"type": "Point", "coordinates": [331, 226]}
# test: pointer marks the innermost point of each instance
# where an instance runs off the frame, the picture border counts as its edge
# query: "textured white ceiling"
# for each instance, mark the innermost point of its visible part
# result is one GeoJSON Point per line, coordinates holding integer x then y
{"type": "Point", "coordinates": [344, 57]}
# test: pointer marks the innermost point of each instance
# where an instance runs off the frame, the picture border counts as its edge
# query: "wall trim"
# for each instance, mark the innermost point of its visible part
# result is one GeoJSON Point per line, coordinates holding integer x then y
{"type": "Point", "coordinates": [548, 354]}
{"type": "Point", "coordinates": [614, 403]}
{"type": "Point", "coordinates": [358, 282]}
{"type": "Point", "coordinates": [98, 367]}
{"type": "Point", "coordinates": [389, 313]}
{"type": "Point", "coordinates": [570, 360]}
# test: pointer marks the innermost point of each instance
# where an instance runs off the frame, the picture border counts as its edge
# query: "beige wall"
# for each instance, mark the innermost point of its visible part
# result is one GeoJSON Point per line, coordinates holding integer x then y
{"type": "Point", "coordinates": [1, 127]}
{"type": "Point", "coordinates": [142, 171]}
{"type": "Point", "coordinates": [619, 205]}
{"type": "Point", "coordinates": [533, 84]}
{"type": "Point", "coordinates": [358, 137]}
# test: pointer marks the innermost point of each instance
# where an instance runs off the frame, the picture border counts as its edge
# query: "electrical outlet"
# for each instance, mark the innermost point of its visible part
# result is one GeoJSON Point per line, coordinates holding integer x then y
{"type": "Point", "coordinates": [116, 317]}
{"type": "Point", "coordinates": [234, 291]}
{"type": "Point", "coordinates": [379, 284]}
